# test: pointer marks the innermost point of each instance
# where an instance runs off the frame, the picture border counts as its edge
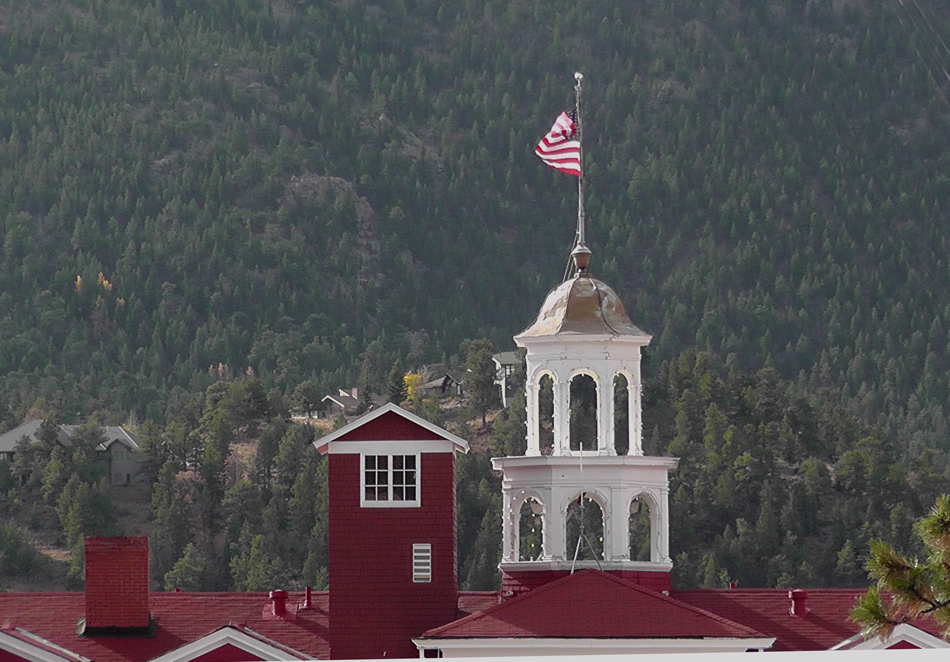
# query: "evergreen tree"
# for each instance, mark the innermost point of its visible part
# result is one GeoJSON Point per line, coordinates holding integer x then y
{"type": "Point", "coordinates": [306, 397]}
{"type": "Point", "coordinates": [480, 387]}
{"type": "Point", "coordinates": [907, 589]}
{"type": "Point", "coordinates": [188, 573]}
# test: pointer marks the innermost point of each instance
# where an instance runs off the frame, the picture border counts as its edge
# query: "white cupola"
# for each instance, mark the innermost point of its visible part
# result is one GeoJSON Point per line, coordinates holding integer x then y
{"type": "Point", "coordinates": [583, 361]}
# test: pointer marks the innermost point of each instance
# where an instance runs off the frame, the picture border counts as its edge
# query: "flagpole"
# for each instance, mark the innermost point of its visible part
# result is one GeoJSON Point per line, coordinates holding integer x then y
{"type": "Point", "coordinates": [581, 253]}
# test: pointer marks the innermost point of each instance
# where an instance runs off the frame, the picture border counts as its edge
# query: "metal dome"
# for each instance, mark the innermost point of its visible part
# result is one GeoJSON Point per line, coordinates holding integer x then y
{"type": "Point", "coordinates": [582, 305]}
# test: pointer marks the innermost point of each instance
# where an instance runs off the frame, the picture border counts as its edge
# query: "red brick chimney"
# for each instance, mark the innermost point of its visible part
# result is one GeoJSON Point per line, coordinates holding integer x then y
{"type": "Point", "coordinates": [117, 584]}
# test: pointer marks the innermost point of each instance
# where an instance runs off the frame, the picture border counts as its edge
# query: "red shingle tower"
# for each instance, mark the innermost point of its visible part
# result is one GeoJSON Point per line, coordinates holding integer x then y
{"type": "Point", "coordinates": [392, 532]}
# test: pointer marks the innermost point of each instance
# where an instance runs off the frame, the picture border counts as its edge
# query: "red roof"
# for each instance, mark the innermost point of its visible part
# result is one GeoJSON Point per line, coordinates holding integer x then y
{"type": "Point", "coordinates": [180, 618]}
{"type": "Point", "coordinates": [825, 623]}
{"type": "Point", "coordinates": [592, 604]}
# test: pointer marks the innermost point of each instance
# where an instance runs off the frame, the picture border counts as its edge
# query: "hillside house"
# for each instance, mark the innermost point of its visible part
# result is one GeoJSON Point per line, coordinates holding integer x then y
{"type": "Point", "coordinates": [506, 365]}
{"type": "Point", "coordinates": [443, 385]}
{"type": "Point", "coordinates": [119, 451]}
{"type": "Point", "coordinates": [346, 402]}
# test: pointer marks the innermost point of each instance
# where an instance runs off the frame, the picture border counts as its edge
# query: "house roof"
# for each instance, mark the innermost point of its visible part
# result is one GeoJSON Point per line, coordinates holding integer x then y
{"type": "Point", "coordinates": [180, 618]}
{"type": "Point", "coordinates": [444, 379]}
{"type": "Point", "coordinates": [507, 358]}
{"type": "Point", "coordinates": [825, 623]}
{"type": "Point", "coordinates": [428, 430]}
{"type": "Point", "coordinates": [30, 430]}
{"type": "Point", "coordinates": [47, 622]}
{"type": "Point", "coordinates": [343, 399]}
{"type": "Point", "coordinates": [9, 440]}
{"type": "Point", "coordinates": [112, 433]}
{"type": "Point", "coordinates": [592, 604]}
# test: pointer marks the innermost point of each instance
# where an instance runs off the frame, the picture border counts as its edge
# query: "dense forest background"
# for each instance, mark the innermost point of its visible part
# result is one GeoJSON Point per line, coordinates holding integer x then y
{"type": "Point", "coordinates": [296, 191]}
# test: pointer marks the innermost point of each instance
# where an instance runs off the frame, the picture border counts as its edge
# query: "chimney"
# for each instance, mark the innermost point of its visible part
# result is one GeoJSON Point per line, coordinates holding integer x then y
{"type": "Point", "coordinates": [307, 601]}
{"type": "Point", "coordinates": [279, 599]}
{"type": "Point", "coordinates": [116, 585]}
{"type": "Point", "coordinates": [798, 598]}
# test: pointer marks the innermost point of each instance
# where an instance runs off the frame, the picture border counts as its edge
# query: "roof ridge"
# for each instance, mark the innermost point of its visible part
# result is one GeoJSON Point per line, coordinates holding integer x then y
{"type": "Point", "coordinates": [534, 593]}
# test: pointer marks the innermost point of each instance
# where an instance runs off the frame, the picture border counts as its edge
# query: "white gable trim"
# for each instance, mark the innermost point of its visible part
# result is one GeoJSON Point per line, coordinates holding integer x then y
{"type": "Point", "coordinates": [903, 633]}
{"type": "Point", "coordinates": [459, 445]}
{"type": "Point", "coordinates": [34, 653]}
{"type": "Point", "coordinates": [107, 445]}
{"type": "Point", "coordinates": [406, 447]}
{"type": "Point", "coordinates": [229, 635]}
{"type": "Point", "coordinates": [519, 646]}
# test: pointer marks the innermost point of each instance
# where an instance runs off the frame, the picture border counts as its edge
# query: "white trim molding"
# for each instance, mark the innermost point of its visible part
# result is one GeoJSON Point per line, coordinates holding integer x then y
{"type": "Point", "coordinates": [903, 633]}
{"type": "Point", "coordinates": [229, 635]}
{"type": "Point", "coordinates": [523, 646]}
{"type": "Point", "coordinates": [41, 651]}
{"type": "Point", "coordinates": [389, 501]}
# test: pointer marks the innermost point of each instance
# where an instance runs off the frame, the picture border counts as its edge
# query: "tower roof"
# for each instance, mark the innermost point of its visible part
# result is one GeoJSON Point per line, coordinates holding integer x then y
{"type": "Point", "coordinates": [593, 604]}
{"type": "Point", "coordinates": [582, 305]}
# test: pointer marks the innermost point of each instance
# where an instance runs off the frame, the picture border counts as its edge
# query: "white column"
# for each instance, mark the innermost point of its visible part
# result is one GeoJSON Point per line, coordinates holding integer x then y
{"type": "Point", "coordinates": [663, 538]}
{"type": "Point", "coordinates": [562, 417]}
{"type": "Point", "coordinates": [531, 409]}
{"type": "Point", "coordinates": [508, 538]}
{"type": "Point", "coordinates": [547, 516]}
{"type": "Point", "coordinates": [634, 407]}
{"type": "Point", "coordinates": [555, 536]}
{"type": "Point", "coordinates": [605, 417]}
{"type": "Point", "coordinates": [616, 547]}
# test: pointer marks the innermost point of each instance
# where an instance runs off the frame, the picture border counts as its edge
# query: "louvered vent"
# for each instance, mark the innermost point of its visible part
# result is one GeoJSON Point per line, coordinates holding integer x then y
{"type": "Point", "coordinates": [421, 563]}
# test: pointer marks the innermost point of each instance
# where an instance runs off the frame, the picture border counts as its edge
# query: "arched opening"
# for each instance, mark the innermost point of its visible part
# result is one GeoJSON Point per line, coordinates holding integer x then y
{"type": "Point", "coordinates": [639, 530]}
{"type": "Point", "coordinates": [583, 413]}
{"type": "Point", "coordinates": [621, 415]}
{"type": "Point", "coordinates": [530, 531]}
{"type": "Point", "coordinates": [592, 542]}
{"type": "Point", "coordinates": [546, 414]}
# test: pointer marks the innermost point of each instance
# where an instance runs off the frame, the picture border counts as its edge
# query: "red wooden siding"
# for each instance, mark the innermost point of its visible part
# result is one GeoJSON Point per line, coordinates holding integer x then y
{"type": "Point", "coordinates": [375, 608]}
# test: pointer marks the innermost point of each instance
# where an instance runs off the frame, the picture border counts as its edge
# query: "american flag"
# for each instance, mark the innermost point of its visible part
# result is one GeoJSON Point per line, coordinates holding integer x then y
{"type": "Point", "coordinates": [559, 149]}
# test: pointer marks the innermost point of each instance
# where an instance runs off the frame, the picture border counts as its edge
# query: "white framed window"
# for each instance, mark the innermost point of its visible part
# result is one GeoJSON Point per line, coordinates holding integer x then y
{"type": "Point", "coordinates": [421, 563]}
{"type": "Point", "coordinates": [389, 481]}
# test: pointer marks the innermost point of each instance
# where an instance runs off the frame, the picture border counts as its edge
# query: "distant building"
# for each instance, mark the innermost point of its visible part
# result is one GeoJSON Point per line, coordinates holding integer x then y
{"type": "Point", "coordinates": [119, 450]}
{"type": "Point", "coordinates": [346, 402]}
{"type": "Point", "coordinates": [444, 384]}
{"type": "Point", "coordinates": [506, 365]}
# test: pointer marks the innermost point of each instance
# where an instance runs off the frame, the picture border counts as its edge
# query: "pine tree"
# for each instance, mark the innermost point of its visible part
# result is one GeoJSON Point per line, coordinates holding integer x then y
{"type": "Point", "coordinates": [907, 589]}
{"type": "Point", "coordinates": [480, 387]}
{"type": "Point", "coordinates": [188, 573]}
{"type": "Point", "coordinates": [396, 389]}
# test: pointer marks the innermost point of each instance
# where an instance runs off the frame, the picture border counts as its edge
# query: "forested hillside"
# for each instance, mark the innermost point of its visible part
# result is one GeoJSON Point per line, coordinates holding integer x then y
{"type": "Point", "coordinates": [314, 190]}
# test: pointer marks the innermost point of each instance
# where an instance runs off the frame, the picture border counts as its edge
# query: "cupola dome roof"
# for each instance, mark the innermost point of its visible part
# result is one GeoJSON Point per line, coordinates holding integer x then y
{"type": "Point", "coordinates": [582, 305]}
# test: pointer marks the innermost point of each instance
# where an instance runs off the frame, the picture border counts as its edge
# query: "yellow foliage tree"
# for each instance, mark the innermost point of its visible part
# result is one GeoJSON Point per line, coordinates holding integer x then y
{"type": "Point", "coordinates": [413, 384]}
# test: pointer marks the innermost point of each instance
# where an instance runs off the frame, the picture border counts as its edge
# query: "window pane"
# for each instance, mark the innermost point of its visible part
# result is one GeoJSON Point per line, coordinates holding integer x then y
{"type": "Point", "coordinates": [375, 478]}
